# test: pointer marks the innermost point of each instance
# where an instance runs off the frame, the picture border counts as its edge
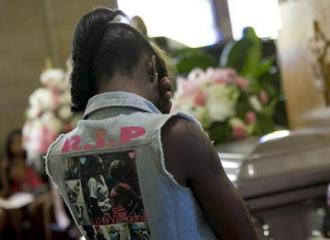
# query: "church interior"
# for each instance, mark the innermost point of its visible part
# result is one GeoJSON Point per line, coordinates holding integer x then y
{"type": "Point", "coordinates": [255, 74]}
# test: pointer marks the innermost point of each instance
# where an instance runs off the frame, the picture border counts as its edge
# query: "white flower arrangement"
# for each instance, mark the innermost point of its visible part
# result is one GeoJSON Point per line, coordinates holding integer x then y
{"type": "Point", "coordinates": [48, 113]}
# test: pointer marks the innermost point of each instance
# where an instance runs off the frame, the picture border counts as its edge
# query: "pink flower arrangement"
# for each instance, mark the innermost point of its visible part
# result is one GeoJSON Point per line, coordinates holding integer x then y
{"type": "Point", "coordinates": [222, 101]}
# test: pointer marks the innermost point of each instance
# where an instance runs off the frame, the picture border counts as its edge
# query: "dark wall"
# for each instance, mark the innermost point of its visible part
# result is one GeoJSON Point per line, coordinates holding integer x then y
{"type": "Point", "coordinates": [24, 48]}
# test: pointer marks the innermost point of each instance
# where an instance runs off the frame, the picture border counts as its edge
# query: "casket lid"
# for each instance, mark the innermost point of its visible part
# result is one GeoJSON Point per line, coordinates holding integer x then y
{"type": "Point", "coordinates": [299, 159]}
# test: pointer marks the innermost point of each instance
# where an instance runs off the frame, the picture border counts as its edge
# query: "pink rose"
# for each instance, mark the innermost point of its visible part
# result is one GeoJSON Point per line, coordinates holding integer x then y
{"type": "Point", "coordinates": [250, 117]}
{"type": "Point", "coordinates": [241, 82]}
{"type": "Point", "coordinates": [263, 97]}
{"type": "Point", "coordinates": [221, 75]}
{"type": "Point", "coordinates": [186, 87]}
{"type": "Point", "coordinates": [239, 132]}
{"type": "Point", "coordinates": [200, 99]}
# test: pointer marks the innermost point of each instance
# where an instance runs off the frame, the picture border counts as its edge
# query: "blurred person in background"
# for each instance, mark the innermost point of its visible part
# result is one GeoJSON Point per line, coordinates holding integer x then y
{"type": "Point", "coordinates": [18, 177]}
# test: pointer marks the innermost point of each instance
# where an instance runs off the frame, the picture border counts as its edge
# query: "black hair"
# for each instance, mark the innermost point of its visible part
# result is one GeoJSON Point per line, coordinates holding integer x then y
{"type": "Point", "coordinates": [117, 169]}
{"type": "Point", "coordinates": [9, 141]}
{"type": "Point", "coordinates": [102, 48]}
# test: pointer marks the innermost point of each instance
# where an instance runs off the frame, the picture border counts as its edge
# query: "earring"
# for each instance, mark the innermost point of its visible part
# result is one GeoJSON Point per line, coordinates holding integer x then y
{"type": "Point", "coordinates": [155, 76]}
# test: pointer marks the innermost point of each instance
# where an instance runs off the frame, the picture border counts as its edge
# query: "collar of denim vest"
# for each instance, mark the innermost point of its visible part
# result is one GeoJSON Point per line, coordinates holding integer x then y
{"type": "Point", "coordinates": [126, 100]}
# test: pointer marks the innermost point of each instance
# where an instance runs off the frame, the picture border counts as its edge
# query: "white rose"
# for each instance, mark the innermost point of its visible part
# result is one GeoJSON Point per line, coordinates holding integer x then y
{"type": "Point", "coordinates": [57, 83]}
{"type": "Point", "coordinates": [48, 101]}
{"type": "Point", "coordinates": [53, 123]}
{"type": "Point", "coordinates": [255, 103]}
{"type": "Point", "coordinates": [43, 98]}
{"type": "Point", "coordinates": [221, 102]}
{"type": "Point", "coordinates": [182, 103]}
{"type": "Point", "coordinates": [54, 79]}
{"type": "Point", "coordinates": [32, 132]}
{"type": "Point", "coordinates": [65, 112]}
{"type": "Point", "coordinates": [34, 97]}
{"type": "Point", "coordinates": [220, 111]}
{"type": "Point", "coordinates": [33, 111]}
{"type": "Point", "coordinates": [51, 73]}
{"type": "Point", "coordinates": [236, 122]}
{"type": "Point", "coordinates": [65, 98]}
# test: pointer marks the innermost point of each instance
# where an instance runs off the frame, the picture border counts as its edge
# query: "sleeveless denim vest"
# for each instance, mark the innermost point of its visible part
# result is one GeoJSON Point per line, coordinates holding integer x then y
{"type": "Point", "coordinates": [111, 173]}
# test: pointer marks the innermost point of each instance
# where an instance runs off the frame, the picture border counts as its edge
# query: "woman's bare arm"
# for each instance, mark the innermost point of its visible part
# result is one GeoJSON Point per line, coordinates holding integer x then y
{"type": "Point", "coordinates": [192, 159]}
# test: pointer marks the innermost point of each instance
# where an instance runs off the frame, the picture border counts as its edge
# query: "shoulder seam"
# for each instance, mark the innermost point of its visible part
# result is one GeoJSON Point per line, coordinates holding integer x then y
{"type": "Point", "coordinates": [49, 152]}
{"type": "Point", "coordinates": [157, 142]}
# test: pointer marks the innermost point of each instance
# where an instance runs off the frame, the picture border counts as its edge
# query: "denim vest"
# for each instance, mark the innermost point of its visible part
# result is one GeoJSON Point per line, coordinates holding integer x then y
{"type": "Point", "coordinates": [111, 173]}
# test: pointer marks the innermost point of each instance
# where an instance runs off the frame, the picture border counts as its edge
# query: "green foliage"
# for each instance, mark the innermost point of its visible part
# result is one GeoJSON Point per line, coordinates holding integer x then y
{"type": "Point", "coordinates": [220, 132]}
{"type": "Point", "coordinates": [188, 59]}
{"type": "Point", "coordinates": [264, 125]}
{"type": "Point", "coordinates": [243, 55]}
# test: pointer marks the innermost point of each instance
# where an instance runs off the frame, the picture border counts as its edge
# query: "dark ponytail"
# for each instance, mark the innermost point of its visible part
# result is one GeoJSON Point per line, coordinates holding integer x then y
{"type": "Point", "coordinates": [88, 35]}
{"type": "Point", "coordinates": [102, 47]}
